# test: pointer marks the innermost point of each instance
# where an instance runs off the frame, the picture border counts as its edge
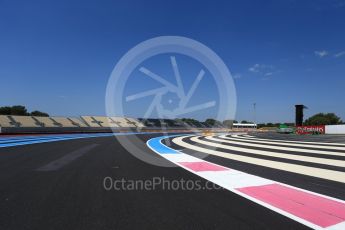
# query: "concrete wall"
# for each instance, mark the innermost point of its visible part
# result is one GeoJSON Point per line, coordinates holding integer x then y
{"type": "Point", "coordinates": [335, 129]}
{"type": "Point", "coordinates": [33, 130]}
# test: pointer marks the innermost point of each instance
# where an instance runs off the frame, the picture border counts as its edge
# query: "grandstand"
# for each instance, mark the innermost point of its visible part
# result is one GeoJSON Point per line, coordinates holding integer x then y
{"type": "Point", "coordinates": [151, 122]}
{"type": "Point", "coordinates": [196, 124]}
{"type": "Point", "coordinates": [64, 122]}
{"type": "Point", "coordinates": [111, 122]}
{"type": "Point", "coordinates": [146, 122]}
{"type": "Point", "coordinates": [37, 124]}
{"type": "Point", "coordinates": [25, 121]}
{"type": "Point", "coordinates": [136, 122]}
{"type": "Point", "coordinates": [173, 123]}
{"type": "Point", "coordinates": [91, 121]}
{"type": "Point", "coordinates": [77, 122]}
{"type": "Point", "coordinates": [106, 122]}
{"type": "Point", "coordinates": [168, 123]}
{"type": "Point", "coordinates": [97, 121]}
{"type": "Point", "coordinates": [6, 122]}
{"type": "Point", "coordinates": [47, 122]}
{"type": "Point", "coordinates": [123, 122]}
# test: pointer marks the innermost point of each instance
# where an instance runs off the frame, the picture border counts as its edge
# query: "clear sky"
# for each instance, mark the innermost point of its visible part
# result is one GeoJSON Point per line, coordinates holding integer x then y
{"type": "Point", "coordinates": [57, 56]}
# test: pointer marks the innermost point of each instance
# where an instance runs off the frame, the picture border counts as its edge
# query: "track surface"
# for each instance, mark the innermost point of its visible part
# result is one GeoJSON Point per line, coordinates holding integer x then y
{"type": "Point", "coordinates": [59, 185]}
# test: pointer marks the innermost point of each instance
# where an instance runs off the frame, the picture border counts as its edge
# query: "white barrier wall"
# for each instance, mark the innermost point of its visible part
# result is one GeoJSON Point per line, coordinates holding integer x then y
{"type": "Point", "coordinates": [335, 129]}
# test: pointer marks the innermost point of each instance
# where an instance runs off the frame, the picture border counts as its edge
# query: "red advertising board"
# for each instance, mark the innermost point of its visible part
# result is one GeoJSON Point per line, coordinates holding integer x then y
{"type": "Point", "coordinates": [310, 129]}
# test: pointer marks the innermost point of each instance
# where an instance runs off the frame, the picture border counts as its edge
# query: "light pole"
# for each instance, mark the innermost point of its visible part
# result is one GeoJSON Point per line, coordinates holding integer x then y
{"type": "Point", "coordinates": [254, 105]}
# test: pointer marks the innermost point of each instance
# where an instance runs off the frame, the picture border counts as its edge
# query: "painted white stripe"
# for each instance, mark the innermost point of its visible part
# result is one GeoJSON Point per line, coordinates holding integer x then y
{"type": "Point", "coordinates": [300, 169]}
{"type": "Point", "coordinates": [340, 226]}
{"type": "Point", "coordinates": [317, 160]}
{"type": "Point", "coordinates": [233, 179]}
{"type": "Point", "coordinates": [313, 144]}
{"type": "Point", "coordinates": [180, 158]}
{"type": "Point", "coordinates": [295, 149]}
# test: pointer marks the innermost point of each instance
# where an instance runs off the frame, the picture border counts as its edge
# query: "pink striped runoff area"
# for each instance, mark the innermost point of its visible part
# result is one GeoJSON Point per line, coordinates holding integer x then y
{"type": "Point", "coordinates": [202, 166]}
{"type": "Point", "coordinates": [315, 209]}
{"type": "Point", "coordinates": [311, 209]}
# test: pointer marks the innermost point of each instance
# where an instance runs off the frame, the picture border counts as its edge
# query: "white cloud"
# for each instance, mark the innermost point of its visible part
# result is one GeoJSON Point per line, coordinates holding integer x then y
{"type": "Point", "coordinates": [339, 54]}
{"type": "Point", "coordinates": [266, 71]}
{"type": "Point", "coordinates": [260, 68]}
{"type": "Point", "coordinates": [255, 68]}
{"type": "Point", "coordinates": [321, 53]}
{"type": "Point", "coordinates": [237, 76]}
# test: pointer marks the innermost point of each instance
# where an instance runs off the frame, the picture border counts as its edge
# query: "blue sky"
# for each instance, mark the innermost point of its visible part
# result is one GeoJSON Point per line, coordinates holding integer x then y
{"type": "Point", "coordinates": [56, 56]}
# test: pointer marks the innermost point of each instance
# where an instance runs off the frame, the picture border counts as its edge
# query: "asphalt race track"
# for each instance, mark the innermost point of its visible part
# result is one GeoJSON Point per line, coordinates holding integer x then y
{"type": "Point", "coordinates": [57, 182]}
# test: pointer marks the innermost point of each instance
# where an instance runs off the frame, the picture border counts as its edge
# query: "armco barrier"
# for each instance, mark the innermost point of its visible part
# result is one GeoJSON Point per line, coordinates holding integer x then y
{"type": "Point", "coordinates": [335, 129]}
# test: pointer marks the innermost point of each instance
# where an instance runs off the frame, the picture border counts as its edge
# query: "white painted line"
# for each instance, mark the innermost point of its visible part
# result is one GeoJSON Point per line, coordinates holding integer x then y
{"type": "Point", "coordinates": [313, 144]}
{"type": "Point", "coordinates": [180, 158]}
{"type": "Point", "coordinates": [317, 160]}
{"type": "Point", "coordinates": [295, 149]}
{"type": "Point", "coordinates": [340, 226]}
{"type": "Point", "coordinates": [233, 179]}
{"type": "Point", "coordinates": [300, 169]}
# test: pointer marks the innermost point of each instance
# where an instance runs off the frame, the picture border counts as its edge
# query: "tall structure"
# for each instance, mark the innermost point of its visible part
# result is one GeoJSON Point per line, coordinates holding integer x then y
{"type": "Point", "coordinates": [254, 105]}
{"type": "Point", "coordinates": [299, 114]}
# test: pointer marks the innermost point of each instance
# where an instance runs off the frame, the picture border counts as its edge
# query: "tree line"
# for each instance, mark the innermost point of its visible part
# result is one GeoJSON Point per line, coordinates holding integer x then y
{"type": "Point", "coordinates": [323, 119]}
{"type": "Point", "coordinates": [317, 119]}
{"type": "Point", "coordinates": [20, 111]}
